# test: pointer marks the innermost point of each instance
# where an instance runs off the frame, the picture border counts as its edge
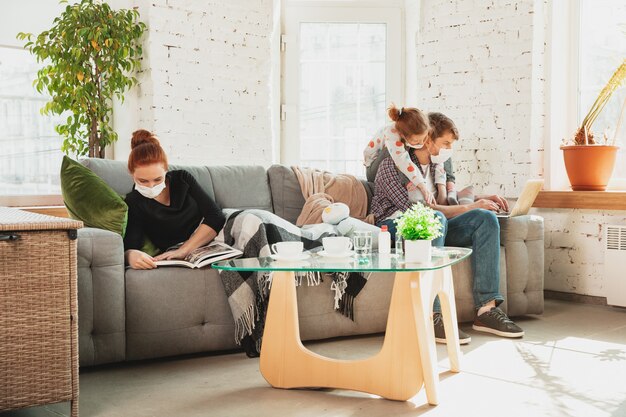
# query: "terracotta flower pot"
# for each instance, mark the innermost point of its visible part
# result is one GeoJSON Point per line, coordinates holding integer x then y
{"type": "Point", "coordinates": [589, 167]}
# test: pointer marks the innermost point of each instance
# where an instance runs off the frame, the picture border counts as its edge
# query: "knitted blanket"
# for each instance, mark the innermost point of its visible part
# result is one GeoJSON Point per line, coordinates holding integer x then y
{"type": "Point", "coordinates": [319, 185]}
{"type": "Point", "coordinates": [253, 232]}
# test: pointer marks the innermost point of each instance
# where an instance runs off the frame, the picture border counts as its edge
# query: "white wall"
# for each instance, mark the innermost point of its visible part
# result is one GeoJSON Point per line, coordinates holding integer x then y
{"type": "Point", "coordinates": [18, 16]}
{"type": "Point", "coordinates": [205, 83]}
{"type": "Point", "coordinates": [475, 64]}
{"type": "Point", "coordinates": [483, 63]}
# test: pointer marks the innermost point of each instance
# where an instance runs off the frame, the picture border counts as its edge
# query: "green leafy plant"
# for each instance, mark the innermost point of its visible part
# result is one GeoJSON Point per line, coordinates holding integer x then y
{"type": "Point", "coordinates": [90, 54]}
{"type": "Point", "coordinates": [419, 223]}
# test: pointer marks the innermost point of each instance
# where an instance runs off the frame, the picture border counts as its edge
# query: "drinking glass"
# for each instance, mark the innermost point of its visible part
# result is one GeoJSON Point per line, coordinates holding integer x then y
{"type": "Point", "coordinates": [399, 244]}
{"type": "Point", "coordinates": [362, 242]}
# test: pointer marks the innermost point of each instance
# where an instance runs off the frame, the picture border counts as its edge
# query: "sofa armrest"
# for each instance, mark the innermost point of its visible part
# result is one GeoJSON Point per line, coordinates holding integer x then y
{"type": "Point", "coordinates": [101, 297]}
{"type": "Point", "coordinates": [522, 238]}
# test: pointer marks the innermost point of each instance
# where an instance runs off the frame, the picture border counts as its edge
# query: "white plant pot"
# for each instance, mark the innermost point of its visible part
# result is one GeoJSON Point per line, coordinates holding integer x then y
{"type": "Point", "coordinates": [417, 250]}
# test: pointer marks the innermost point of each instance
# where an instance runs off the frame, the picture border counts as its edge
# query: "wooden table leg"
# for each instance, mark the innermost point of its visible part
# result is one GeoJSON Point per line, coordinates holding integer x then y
{"type": "Point", "coordinates": [394, 373]}
{"type": "Point", "coordinates": [397, 372]}
{"type": "Point", "coordinates": [448, 312]}
{"type": "Point", "coordinates": [422, 290]}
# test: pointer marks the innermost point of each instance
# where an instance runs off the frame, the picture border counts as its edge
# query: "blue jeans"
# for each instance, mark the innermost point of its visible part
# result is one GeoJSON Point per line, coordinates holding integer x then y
{"type": "Point", "coordinates": [479, 229]}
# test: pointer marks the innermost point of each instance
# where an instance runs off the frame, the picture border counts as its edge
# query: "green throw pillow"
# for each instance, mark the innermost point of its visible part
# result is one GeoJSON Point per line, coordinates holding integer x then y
{"type": "Point", "coordinates": [89, 199]}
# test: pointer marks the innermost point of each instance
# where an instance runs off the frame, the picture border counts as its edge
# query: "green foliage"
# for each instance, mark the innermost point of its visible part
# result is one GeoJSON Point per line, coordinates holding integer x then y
{"type": "Point", "coordinates": [90, 54]}
{"type": "Point", "coordinates": [419, 223]}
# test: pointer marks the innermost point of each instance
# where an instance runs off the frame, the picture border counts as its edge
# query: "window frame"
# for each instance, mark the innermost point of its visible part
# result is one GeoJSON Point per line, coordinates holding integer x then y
{"type": "Point", "coordinates": [296, 12]}
{"type": "Point", "coordinates": [29, 200]}
{"type": "Point", "coordinates": [563, 93]}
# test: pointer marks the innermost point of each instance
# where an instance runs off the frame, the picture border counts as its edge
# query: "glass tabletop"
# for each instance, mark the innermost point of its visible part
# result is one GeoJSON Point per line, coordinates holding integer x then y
{"type": "Point", "coordinates": [314, 261]}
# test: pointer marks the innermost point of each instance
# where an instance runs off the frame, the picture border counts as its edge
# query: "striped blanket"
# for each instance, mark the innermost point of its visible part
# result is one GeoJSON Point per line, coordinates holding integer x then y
{"type": "Point", "coordinates": [253, 232]}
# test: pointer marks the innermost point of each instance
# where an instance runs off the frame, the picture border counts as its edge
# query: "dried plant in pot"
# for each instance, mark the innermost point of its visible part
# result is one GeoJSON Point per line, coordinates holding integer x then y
{"type": "Point", "coordinates": [418, 226]}
{"type": "Point", "coordinates": [589, 162]}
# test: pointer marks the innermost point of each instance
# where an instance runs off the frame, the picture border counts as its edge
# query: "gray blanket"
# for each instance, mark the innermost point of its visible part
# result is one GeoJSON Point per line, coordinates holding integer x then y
{"type": "Point", "coordinates": [253, 232]}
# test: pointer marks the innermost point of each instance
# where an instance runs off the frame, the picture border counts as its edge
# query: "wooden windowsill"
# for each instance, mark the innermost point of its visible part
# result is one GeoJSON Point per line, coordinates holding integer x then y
{"type": "Point", "coordinates": [598, 200]}
{"type": "Point", "coordinates": [51, 200]}
{"type": "Point", "coordinates": [57, 211]}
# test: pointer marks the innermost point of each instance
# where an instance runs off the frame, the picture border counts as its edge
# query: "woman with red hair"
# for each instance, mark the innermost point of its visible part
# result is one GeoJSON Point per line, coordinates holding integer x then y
{"type": "Point", "coordinates": [167, 207]}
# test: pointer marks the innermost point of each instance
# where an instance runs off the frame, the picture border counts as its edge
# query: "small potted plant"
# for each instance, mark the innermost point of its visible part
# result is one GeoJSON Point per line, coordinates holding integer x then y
{"type": "Point", "coordinates": [418, 226]}
{"type": "Point", "coordinates": [589, 161]}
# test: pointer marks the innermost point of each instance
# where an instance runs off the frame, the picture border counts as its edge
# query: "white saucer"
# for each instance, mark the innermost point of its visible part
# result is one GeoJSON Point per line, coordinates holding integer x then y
{"type": "Point", "coordinates": [336, 255]}
{"type": "Point", "coordinates": [300, 257]}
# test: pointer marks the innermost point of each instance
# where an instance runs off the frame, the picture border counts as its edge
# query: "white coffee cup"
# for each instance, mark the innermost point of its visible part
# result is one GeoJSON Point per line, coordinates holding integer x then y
{"type": "Point", "coordinates": [336, 245]}
{"type": "Point", "coordinates": [288, 249]}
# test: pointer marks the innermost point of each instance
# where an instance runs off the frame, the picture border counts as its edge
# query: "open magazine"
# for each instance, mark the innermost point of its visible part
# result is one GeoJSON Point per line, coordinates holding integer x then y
{"type": "Point", "coordinates": [204, 255]}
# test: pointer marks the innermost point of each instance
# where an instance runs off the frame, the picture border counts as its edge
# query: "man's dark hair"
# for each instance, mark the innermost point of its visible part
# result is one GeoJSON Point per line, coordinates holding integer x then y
{"type": "Point", "coordinates": [440, 124]}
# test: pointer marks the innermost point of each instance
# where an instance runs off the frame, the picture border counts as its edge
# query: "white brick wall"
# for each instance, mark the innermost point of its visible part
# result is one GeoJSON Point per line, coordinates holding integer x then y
{"type": "Point", "coordinates": [205, 85]}
{"type": "Point", "coordinates": [475, 64]}
{"type": "Point", "coordinates": [482, 63]}
{"type": "Point", "coordinates": [575, 249]}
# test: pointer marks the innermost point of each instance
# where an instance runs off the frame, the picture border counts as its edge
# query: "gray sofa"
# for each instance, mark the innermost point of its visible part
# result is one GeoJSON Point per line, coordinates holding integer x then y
{"type": "Point", "coordinates": [130, 314]}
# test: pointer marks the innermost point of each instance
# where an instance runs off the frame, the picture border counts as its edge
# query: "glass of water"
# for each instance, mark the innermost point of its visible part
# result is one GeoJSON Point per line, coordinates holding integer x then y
{"type": "Point", "coordinates": [399, 244]}
{"type": "Point", "coordinates": [362, 242]}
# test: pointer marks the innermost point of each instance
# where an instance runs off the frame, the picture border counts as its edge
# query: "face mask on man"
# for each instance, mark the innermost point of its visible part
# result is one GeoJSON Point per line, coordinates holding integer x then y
{"type": "Point", "coordinates": [150, 192]}
{"type": "Point", "coordinates": [443, 156]}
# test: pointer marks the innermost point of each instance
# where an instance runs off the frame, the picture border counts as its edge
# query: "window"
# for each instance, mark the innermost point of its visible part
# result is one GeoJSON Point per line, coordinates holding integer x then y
{"type": "Point", "coordinates": [342, 69]}
{"type": "Point", "coordinates": [602, 49]}
{"type": "Point", "coordinates": [30, 156]}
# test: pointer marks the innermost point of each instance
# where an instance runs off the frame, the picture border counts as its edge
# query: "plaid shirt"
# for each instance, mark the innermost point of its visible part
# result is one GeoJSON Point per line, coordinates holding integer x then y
{"type": "Point", "coordinates": [390, 195]}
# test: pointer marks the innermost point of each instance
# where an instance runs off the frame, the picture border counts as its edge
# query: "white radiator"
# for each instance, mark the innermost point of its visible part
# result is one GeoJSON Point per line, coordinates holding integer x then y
{"type": "Point", "coordinates": [615, 265]}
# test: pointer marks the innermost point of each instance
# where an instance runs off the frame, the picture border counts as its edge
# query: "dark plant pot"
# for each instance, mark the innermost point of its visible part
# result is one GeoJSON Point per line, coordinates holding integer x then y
{"type": "Point", "coordinates": [589, 167]}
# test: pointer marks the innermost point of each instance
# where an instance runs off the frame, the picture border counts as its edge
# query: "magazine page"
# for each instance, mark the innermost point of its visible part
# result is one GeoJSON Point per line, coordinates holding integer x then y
{"type": "Point", "coordinates": [174, 262]}
{"type": "Point", "coordinates": [209, 251]}
{"type": "Point", "coordinates": [227, 255]}
{"type": "Point", "coordinates": [204, 255]}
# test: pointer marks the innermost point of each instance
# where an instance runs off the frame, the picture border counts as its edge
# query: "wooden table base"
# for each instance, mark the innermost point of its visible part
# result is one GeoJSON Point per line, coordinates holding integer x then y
{"type": "Point", "coordinates": [408, 357]}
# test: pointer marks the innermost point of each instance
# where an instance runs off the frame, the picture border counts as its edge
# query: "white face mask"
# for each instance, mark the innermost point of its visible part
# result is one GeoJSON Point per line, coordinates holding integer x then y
{"type": "Point", "coordinates": [150, 192]}
{"type": "Point", "coordinates": [444, 155]}
{"type": "Point", "coordinates": [419, 146]}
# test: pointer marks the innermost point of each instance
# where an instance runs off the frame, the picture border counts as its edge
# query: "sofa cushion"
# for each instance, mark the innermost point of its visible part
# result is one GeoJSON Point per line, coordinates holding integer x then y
{"type": "Point", "coordinates": [201, 174]}
{"type": "Point", "coordinates": [90, 199]}
{"type": "Point", "coordinates": [286, 192]}
{"type": "Point", "coordinates": [174, 311]}
{"type": "Point", "coordinates": [102, 317]}
{"type": "Point", "coordinates": [242, 187]}
{"type": "Point", "coordinates": [115, 173]}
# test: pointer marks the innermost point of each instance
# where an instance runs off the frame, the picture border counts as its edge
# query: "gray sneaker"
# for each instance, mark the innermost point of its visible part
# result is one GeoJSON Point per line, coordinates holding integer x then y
{"type": "Point", "coordinates": [440, 332]}
{"type": "Point", "coordinates": [496, 321]}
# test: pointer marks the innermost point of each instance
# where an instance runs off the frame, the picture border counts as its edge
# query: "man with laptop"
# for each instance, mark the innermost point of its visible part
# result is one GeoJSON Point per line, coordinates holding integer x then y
{"type": "Point", "coordinates": [472, 225]}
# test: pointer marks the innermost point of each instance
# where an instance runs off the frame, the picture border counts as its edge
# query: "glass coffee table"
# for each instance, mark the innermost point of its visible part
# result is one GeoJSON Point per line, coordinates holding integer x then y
{"type": "Point", "coordinates": [408, 357]}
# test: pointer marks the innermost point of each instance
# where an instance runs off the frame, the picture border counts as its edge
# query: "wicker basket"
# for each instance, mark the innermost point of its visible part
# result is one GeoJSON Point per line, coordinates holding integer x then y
{"type": "Point", "coordinates": [38, 305]}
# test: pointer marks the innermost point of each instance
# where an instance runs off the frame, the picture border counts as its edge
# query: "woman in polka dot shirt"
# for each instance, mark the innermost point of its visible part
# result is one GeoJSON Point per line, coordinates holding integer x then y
{"type": "Point", "coordinates": [409, 128]}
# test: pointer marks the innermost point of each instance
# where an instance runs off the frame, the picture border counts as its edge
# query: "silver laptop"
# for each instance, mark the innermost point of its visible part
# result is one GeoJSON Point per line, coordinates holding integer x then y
{"type": "Point", "coordinates": [525, 201]}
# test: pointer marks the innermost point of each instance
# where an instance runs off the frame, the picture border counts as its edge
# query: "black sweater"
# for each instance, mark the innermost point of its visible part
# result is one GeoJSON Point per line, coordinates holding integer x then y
{"type": "Point", "coordinates": [165, 225]}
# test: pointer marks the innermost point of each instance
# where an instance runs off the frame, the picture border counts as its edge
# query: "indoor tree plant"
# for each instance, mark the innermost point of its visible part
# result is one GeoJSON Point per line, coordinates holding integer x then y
{"type": "Point", "coordinates": [90, 53]}
{"type": "Point", "coordinates": [589, 162]}
{"type": "Point", "coordinates": [418, 226]}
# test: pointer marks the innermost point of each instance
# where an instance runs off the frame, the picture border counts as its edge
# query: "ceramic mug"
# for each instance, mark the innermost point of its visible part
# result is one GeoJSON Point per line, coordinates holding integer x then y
{"type": "Point", "coordinates": [288, 249]}
{"type": "Point", "coordinates": [337, 245]}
